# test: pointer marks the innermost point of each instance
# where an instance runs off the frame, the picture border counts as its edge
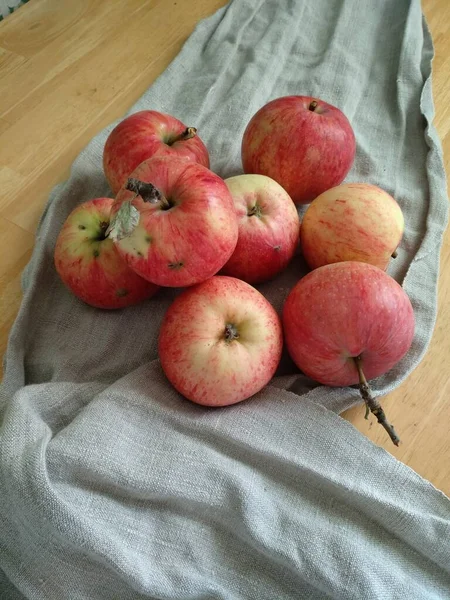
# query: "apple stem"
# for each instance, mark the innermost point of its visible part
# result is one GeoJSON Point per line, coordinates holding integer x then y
{"type": "Point", "coordinates": [394, 254]}
{"type": "Point", "coordinates": [231, 333]}
{"type": "Point", "coordinates": [187, 134]}
{"type": "Point", "coordinates": [372, 404]}
{"type": "Point", "coordinates": [313, 105]}
{"type": "Point", "coordinates": [147, 191]}
{"type": "Point", "coordinates": [103, 229]}
{"type": "Point", "coordinates": [254, 211]}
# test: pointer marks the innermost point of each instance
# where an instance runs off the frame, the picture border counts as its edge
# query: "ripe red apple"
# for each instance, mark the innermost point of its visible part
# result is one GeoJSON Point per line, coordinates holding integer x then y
{"type": "Point", "coordinates": [141, 136]}
{"type": "Point", "coordinates": [268, 228]}
{"type": "Point", "coordinates": [346, 322]}
{"type": "Point", "coordinates": [354, 221]}
{"type": "Point", "coordinates": [220, 342]}
{"type": "Point", "coordinates": [89, 264]}
{"type": "Point", "coordinates": [344, 310]}
{"type": "Point", "coordinates": [174, 222]}
{"type": "Point", "coordinates": [303, 143]}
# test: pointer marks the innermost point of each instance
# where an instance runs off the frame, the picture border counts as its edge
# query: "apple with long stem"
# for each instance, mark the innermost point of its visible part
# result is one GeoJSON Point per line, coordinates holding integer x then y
{"type": "Point", "coordinates": [268, 228]}
{"type": "Point", "coordinates": [89, 264]}
{"type": "Point", "coordinates": [304, 143]}
{"type": "Point", "coordinates": [352, 221]}
{"type": "Point", "coordinates": [220, 342]}
{"type": "Point", "coordinates": [143, 135]}
{"type": "Point", "coordinates": [346, 323]}
{"type": "Point", "coordinates": [174, 222]}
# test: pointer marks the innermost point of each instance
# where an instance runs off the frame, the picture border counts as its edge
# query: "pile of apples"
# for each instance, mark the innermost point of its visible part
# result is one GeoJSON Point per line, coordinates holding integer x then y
{"type": "Point", "coordinates": [175, 223]}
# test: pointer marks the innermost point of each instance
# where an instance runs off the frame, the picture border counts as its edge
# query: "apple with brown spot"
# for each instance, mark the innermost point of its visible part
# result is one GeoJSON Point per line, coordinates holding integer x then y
{"type": "Point", "coordinates": [268, 228]}
{"type": "Point", "coordinates": [220, 342]}
{"type": "Point", "coordinates": [354, 221]}
{"type": "Point", "coordinates": [348, 322]}
{"type": "Point", "coordinates": [89, 264]}
{"type": "Point", "coordinates": [143, 135]}
{"type": "Point", "coordinates": [304, 143]}
{"type": "Point", "coordinates": [174, 222]}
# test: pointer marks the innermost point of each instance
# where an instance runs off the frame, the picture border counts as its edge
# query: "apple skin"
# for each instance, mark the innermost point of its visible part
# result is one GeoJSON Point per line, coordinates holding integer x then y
{"type": "Point", "coordinates": [91, 267]}
{"type": "Point", "coordinates": [191, 241]}
{"type": "Point", "coordinates": [269, 228]}
{"type": "Point", "coordinates": [354, 221]}
{"type": "Point", "coordinates": [142, 135]}
{"type": "Point", "coordinates": [307, 151]}
{"type": "Point", "coordinates": [195, 355]}
{"type": "Point", "coordinates": [344, 310]}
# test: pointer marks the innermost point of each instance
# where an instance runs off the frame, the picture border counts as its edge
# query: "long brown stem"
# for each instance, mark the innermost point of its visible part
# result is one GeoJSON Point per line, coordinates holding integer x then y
{"type": "Point", "coordinates": [187, 134]}
{"type": "Point", "coordinates": [147, 191]}
{"type": "Point", "coordinates": [372, 404]}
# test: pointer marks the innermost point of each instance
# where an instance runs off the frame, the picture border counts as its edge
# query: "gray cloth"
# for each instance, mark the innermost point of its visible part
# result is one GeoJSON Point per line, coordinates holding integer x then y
{"type": "Point", "coordinates": [112, 485]}
{"type": "Point", "coordinates": [7, 7]}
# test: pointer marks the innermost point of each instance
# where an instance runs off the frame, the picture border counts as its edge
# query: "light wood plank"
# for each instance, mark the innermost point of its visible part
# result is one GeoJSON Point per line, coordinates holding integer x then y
{"type": "Point", "coordinates": [10, 62]}
{"type": "Point", "coordinates": [97, 22]}
{"type": "Point", "coordinates": [15, 251]}
{"type": "Point", "coordinates": [4, 125]}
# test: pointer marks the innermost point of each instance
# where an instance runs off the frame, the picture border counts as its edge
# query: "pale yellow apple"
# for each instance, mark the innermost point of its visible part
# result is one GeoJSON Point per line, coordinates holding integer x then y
{"type": "Point", "coordinates": [354, 221]}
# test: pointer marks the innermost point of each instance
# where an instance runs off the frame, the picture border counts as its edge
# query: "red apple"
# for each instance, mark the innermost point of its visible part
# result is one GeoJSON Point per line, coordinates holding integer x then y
{"type": "Point", "coordinates": [354, 221]}
{"type": "Point", "coordinates": [344, 310]}
{"type": "Point", "coordinates": [174, 222]}
{"type": "Point", "coordinates": [89, 264]}
{"type": "Point", "coordinates": [220, 342]}
{"type": "Point", "coordinates": [141, 136]}
{"type": "Point", "coordinates": [303, 143]}
{"type": "Point", "coordinates": [268, 228]}
{"type": "Point", "coordinates": [346, 322]}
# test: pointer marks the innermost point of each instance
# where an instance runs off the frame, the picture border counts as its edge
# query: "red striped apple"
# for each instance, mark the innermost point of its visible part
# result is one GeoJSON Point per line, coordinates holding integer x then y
{"type": "Point", "coordinates": [143, 135]}
{"type": "Point", "coordinates": [303, 143]}
{"type": "Point", "coordinates": [354, 221]}
{"type": "Point", "coordinates": [268, 228]}
{"type": "Point", "coordinates": [220, 342]}
{"type": "Point", "coordinates": [174, 222]}
{"type": "Point", "coordinates": [89, 264]}
{"type": "Point", "coordinates": [346, 322]}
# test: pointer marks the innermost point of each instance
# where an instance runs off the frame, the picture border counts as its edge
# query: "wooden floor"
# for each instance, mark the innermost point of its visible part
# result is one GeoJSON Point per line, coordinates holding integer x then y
{"type": "Point", "coordinates": [70, 67]}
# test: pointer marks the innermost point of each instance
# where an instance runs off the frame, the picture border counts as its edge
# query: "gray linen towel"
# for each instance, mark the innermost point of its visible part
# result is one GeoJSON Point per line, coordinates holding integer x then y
{"type": "Point", "coordinates": [114, 487]}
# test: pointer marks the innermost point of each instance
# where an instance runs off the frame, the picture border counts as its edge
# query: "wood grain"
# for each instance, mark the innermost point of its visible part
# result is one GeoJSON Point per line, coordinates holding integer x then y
{"type": "Point", "coordinates": [70, 67]}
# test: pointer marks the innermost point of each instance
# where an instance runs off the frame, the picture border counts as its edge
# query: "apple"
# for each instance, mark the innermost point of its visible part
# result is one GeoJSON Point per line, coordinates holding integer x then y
{"type": "Point", "coordinates": [89, 264]}
{"type": "Point", "coordinates": [344, 310]}
{"type": "Point", "coordinates": [354, 221]}
{"type": "Point", "coordinates": [220, 342]}
{"type": "Point", "coordinates": [268, 228]}
{"type": "Point", "coordinates": [346, 322]}
{"type": "Point", "coordinates": [174, 222]}
{"type": "Point", "coordinates": [303, 143]}
{"type": "Point", "coordinates": [141, 136]}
